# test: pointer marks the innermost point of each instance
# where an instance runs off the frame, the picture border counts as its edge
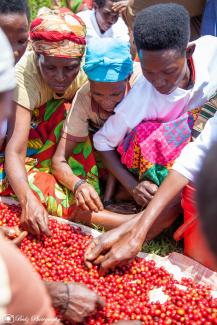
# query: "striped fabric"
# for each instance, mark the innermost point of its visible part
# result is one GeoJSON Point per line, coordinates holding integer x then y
{"type": "Point", "coordinates": [208, 110]}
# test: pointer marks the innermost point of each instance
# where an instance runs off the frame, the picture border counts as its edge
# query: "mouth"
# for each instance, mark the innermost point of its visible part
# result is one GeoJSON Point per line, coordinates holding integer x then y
{"type": "Point", "coordinates": [61, 88]}
{"type": "Point", "coordinates": [163, 90]}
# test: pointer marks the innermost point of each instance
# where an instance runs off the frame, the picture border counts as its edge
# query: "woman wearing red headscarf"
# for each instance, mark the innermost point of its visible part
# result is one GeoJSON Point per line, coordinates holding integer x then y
{"type": "Point", "coordinates": [48, 77]}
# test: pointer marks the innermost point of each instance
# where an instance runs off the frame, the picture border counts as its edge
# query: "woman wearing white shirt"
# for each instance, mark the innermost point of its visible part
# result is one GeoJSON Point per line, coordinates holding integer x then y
{"type": "Point", "coordinates": [103, 21]}
{"type": "Point", "coordinates": [177, 77]}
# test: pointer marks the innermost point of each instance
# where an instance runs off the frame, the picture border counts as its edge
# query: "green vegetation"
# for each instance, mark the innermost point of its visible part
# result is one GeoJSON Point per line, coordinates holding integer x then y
{"type": "Point", "coordinates": [35, 5]}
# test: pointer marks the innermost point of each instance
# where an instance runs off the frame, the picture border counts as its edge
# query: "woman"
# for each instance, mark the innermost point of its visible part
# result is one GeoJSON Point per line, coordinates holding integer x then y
{"type": "Point", "coordinates": [14, 16]}
{"type": "Point", "coordinates": [47, 77]}
{"type": "Point", "coordinates": [109, 70]}
{"type": "Point", "coordinates": [103, 21]}
{"type": "Point", "coordinates": [153, 121]}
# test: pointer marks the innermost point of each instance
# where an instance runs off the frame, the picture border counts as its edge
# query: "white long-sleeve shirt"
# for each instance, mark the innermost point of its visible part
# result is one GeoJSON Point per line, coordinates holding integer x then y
{"type": "Point", "coordinates": [190, 161]}
{"type": "Point", "coordinates": [144, 102]}
{"type": "Point", "coordinates": [118, 30]}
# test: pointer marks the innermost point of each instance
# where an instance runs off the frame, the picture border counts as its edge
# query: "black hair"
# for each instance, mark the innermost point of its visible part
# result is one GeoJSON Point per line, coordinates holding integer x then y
{"type": "Point", "coordinates": [14, 7]}
{"type": "Point", "coordinates": [101, 3]}
{"type": "Point", "coordinates": [206, 186]}
{"type": "Point", "coordinates": [161, 27]}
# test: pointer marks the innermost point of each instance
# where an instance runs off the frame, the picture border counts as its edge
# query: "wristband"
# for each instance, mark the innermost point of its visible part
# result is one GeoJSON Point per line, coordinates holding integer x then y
{"type": "Point", "coordinates": [79, 183]}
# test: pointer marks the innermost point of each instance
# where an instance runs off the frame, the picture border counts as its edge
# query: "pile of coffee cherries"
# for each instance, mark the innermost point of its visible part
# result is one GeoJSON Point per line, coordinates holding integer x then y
{"type": "Point", "coordinates": [127, 291]}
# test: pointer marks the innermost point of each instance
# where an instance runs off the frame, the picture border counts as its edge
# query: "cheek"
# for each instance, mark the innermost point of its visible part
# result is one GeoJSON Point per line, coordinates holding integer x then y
{"type": "Point", "coordinates": [71, 75]}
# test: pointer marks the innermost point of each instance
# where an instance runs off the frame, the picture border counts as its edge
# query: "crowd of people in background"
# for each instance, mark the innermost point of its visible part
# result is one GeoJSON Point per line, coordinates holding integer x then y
{"type": "Point", "coordinates": [105, 116]}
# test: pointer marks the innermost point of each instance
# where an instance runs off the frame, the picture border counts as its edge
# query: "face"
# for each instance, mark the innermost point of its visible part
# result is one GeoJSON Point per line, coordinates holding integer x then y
{"type": "Point", "coordinates": [108, 94]}
{"type": "Point", "coordinates": [105, 16]}
{"type": "Point", "coordinates": [58, 73]}
{"type": "Point", "coordinates": [16, 27]}
{"type": "Point", "coordinates": [164, 69]}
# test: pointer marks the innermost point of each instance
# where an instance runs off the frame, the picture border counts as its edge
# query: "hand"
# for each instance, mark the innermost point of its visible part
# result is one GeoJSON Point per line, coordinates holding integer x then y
{"type": "Point", "coordinates": [14, 234]}
{"type": "Point", "coordinates": [87, 198]}
{"type": "Point", "coordinates": [34, 217]}
{"type": "Point", "coordinates": [120, 6]}
{"type": "Point", "coordinates": [78, 299]}
{"type": "Point", "coordinates": [116, 247]}
{"type": "Point", "coordinates": [144, 192]}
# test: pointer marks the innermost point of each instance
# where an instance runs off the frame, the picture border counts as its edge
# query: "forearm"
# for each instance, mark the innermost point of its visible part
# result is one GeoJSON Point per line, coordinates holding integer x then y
{"type": "Point", "coordinates": [58, 294]}
{"type": "Point", "coordinates": [167, 192]}
{"type": "Point", "coordinates": [16, 173]}
{"type": "Point", "coordinates": [64, 174]}
{"type": "Point", "coordinates": [112, 162]}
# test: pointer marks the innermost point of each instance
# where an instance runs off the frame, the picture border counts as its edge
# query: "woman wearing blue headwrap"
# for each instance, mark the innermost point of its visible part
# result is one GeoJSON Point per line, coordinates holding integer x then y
{"type": "Point", "coordinates": [109, 68]}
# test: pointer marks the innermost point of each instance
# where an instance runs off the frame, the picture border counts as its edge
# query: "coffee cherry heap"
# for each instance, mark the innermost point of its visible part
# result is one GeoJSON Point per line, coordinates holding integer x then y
{"type": "Point", "coordinates": [127, 290]}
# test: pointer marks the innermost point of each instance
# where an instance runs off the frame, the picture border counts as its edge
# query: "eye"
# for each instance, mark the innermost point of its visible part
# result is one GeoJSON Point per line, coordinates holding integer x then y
{"type": "Point", "coordinates": [23, 41]}
{"type": "Point", "coordinates": [168, 72]}
{"type": "Point", "coordinates": [50, 67]}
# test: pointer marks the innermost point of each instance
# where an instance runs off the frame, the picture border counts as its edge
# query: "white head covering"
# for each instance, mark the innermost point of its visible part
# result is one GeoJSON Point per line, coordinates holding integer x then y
{"type": "Point", "coordinates": [7, 75]}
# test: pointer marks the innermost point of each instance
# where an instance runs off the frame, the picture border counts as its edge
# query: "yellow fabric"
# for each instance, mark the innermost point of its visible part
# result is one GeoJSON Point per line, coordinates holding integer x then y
{"type": "Point", "coordinates": [31, 91]}
{"type": "Point", "coordinates": [77, 122]}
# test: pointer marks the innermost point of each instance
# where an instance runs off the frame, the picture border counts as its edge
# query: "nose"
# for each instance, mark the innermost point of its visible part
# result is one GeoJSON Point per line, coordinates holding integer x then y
{"type": "Point", "coordinates": [60, 75]}
{"type": "Point", "coordinates": [159, 83]}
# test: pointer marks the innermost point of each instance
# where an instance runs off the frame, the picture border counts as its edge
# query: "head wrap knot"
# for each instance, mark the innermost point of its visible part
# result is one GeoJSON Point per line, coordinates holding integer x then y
{"type": "Point", "coordinates": [108, 60]}
{"type": "Point", "coordinates": [58, 33]}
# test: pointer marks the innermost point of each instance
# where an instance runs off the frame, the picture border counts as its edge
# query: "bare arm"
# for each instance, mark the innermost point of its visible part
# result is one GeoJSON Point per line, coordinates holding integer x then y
{"type": "Point", "coordinates": [34, 217]}
{"type": "Point", "coordinates": [85, 195]}
{"type": "Point", "coordinates": [121, 244]}
{"type": "Point", "coordinates": [142, 192]}
{"type": "Point", "coordinates": [60, 168]}
{"type": "Point", "coordinates": [112, 162]}
{"type": "Point", "coordinates": [15, 152]}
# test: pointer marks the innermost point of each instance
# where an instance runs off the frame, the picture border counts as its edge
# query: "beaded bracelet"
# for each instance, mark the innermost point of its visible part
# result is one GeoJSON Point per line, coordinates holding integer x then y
{"type": "Point", "coordinates": [79, 183]}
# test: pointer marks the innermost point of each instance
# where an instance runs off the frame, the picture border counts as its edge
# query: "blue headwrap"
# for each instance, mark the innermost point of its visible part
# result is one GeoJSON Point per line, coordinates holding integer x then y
{"type": "Point", "coordinates": [108, 60]}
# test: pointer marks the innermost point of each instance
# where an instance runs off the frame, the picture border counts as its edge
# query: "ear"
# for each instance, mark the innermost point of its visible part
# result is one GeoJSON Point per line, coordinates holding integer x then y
{"type": "Point", "coordinates": [190, 50]}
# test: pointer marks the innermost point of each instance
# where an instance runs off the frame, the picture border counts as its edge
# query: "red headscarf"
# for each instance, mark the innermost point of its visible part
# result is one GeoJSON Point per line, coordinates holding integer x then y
{"type": "Point", "coordinates": [58, 33]}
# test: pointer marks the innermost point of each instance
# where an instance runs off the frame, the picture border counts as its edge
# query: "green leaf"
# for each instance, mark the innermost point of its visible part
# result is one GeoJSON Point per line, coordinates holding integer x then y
{"type": "Point", "coordinates": [59, 210]}
{"type": "Point", "coordinates": [51, 204]}
{"type": "Point", "coordinates": [78, 149]}
{"type": "Point", "coordinates": [87, 149]}
{"type": "Point", "coordinates": [51, 107]}
{"type": "Point", "coordinates": [48, 144]}
{"type": "Point", "coordinates": [76, 167]}
{"type": "Point", "coordinates": [57, 130]}
{"type": "Point", "coordinates": [46, 163]}
{"type": "Point", "coordinates": [94, 170]}
{"type": "Point", "coordinates": [59, 193]}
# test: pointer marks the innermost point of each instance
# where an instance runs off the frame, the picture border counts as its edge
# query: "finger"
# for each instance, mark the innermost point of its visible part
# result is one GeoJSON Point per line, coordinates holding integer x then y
{"type": "Point", "coordinates": [152, 188]}
{"type": "Point", "coordinates": [92, 244]}
{"type": "Point", "coordinates": [99, 259]}
{"type": "Point", "coordinates": [95, 251]}
{"type": "Point", "coordinates": [95, 198]}
{"type": "Point", "coordinates": [33, 227]}
{"type": "Point", "coordinates": [81, 202]}
{"type": "Point", "coordinates": [107, 264]}
{"type": "Point", "coordinates": [17, 241]}
{"type": "Point", "coordinates": [88, 201]}
{"type": "Point", "coordinates": [88, 264]}
{"type": "Point", "coordinates": [43, 225]}
{"type": "Point", "coordinates": [100, 302]}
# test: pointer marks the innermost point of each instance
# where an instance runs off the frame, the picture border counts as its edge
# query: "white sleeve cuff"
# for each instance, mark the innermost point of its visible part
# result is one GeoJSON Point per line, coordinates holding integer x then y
{"type": "Point", "coordinates": [183, 171]}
